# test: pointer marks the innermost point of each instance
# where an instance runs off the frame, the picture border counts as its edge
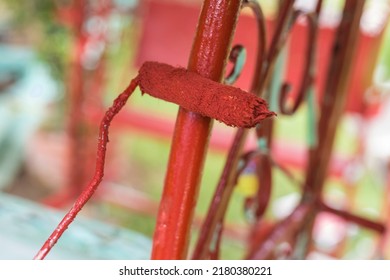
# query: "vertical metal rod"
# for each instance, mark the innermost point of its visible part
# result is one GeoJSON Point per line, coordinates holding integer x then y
{"type": "Point", "coordinates": [331, 109]}
{"type": "Point", "coordinates": [335, 93]}
{"type": "Point", "coordinates": [208, 58]}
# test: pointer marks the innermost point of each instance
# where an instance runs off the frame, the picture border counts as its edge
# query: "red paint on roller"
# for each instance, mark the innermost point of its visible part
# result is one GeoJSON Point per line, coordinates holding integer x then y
{"type": "Point", "coordinates": [195, 93]}
{"type": "Point", "coordinates": [191, 91]}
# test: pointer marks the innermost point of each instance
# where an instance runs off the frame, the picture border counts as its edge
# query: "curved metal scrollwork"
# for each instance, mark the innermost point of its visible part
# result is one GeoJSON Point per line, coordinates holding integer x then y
{"type": "Point", "coordinates": [307, 74]}
{"type": "Point", "coordinates": [238, 57]}
{"type": "Point", "coordinates": [238, 53]}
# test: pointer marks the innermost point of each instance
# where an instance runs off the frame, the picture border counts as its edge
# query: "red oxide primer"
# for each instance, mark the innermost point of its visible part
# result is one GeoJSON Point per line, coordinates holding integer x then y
{"type": "Point", "coordinates": [230, 105]}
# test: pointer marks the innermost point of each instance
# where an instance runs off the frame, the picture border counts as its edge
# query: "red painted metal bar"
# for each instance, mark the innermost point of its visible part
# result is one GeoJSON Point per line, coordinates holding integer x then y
{"type": "Point", "coordinates": [334, 99]}
{"type": "Point", "coordinates": [208, 58]}
{"type": "Point", "coordinates": [363, 222]}
{"type": "Point", "coordinates": [331, 111]}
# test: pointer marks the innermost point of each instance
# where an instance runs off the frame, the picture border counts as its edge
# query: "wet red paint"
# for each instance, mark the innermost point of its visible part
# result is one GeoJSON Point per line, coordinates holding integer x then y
{"type": "Point", "coordinates": [119, 102]}
{"type": "Point", "coordinates": [191, 91]}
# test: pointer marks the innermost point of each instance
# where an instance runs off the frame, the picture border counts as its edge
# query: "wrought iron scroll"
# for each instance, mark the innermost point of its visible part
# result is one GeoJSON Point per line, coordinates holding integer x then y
{"type": "Point", "coordinates": [307, 75]}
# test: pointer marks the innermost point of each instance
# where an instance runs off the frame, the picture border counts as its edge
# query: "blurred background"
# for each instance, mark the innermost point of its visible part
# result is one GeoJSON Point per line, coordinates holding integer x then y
{"type": "Point", "coordinates": [62, 63]}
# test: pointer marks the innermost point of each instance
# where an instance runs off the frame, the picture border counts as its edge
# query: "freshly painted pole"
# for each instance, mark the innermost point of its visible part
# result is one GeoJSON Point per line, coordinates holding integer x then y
{"type": "Point", "coordinates": [208, 58]}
